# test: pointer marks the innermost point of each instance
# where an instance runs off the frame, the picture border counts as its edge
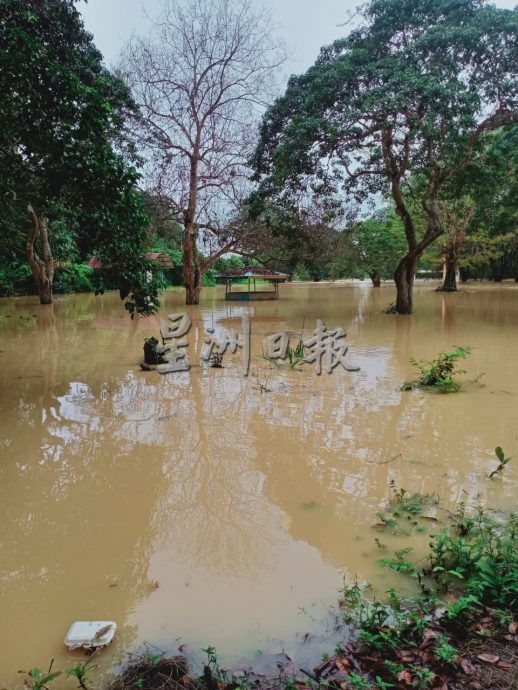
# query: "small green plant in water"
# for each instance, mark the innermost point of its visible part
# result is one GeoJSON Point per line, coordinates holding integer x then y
{"type": "Point", "coordinates": [438, 373]}
{"type": "Point", "coordinates": [503, 461]}
{"type": "Point", "coordinates": [39, 680]}
{"type": "Point", "coordinates": [357, 682]}
{"type": "Point", "coordinates": [80, 672]}
{"type": "Point", "coordinates": [294, 357]}
{"type": "Point", "coordinates": [400, 564]}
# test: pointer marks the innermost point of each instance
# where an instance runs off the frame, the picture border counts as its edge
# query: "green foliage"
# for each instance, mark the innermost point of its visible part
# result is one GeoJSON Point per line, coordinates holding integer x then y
{"type": "Point", "coordinates": [445, 652]}
{"type": "Point", "coordinates": [475, 560]}
{"type": "Point", "coordinates": [212, 670]}
{"type": "Point", "coordinates": [482, 561]}
{"type": "Point", "coordinates": [404, 513]}
{"type": "Point", "coordinates": [411, 91]}
{"type": "Point", "coordinates": [294, 357]}
{"type": "Point", "coordinates": [400, 564]}
{"type": "Point", "coordinates": [209, 278]}
{"type": "Point", "coordinates": [63, 147]}
{"type": "Point", "coordinates": [438, 373]}
{"type": "Point", "coordinates": [80, 672]}
{"type": "Point", "coordinates": [74, 278]}
{"type": "Point", "coordinates": [370, 248]}
{"type": "Point", "coordinates": [15, 278]}
{"type": "Point", "coordinates": [357, 682]}
{"type": "Point", "coordinates": [39, 680]}
{"type": "Point", "coordinates": [503, 460]}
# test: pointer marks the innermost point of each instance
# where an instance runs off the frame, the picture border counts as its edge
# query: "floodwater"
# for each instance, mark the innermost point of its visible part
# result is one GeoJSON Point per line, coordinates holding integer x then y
{"type": "Point", "coordinates": [206, 508]}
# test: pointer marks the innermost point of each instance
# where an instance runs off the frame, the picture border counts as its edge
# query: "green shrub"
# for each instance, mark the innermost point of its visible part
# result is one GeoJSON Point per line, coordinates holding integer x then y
{"type": "Point", "coordinates": [15, 279]}
{"type": "Point", "coordinates": [209, 278]}
{"type": "Point", "coordinates": [74, 278]}
{"type": "Point", "coordinates": [438, 373]}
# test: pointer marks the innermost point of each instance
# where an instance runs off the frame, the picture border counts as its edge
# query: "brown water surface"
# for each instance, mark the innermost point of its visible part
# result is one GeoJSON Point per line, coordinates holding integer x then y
{"type": "Point", "coordinates": [199, 508]}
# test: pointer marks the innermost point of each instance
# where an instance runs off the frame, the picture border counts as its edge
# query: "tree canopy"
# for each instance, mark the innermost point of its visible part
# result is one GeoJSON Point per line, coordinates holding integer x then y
{"type": "Point", "coordinates": [63, 150]}
{"type": "Point", "coordinates": [413, 90]}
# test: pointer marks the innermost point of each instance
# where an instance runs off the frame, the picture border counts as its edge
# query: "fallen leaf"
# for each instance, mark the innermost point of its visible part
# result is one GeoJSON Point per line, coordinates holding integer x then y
{"type": "Point", "coordinates": [343, 665]}
{"type": "Point", "coordinates": [505, 664]}
{"type": "Point", "coordinates": [102, 632]}
{"type": "Point", "coordinates": [512, 638]}
{"type": "Point", "coordinates": [488, 658]}
{"type": "Point", "coordinates": [405, 677]}
{"type": "Point", "coordinates": [513, 627]}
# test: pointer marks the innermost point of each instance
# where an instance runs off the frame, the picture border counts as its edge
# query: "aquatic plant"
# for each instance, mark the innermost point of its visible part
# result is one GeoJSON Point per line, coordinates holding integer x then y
{"type": "Point", "coordinates": [438, 373]}
{"type": "Point", "coordinates": [294, 356]}
{"type": "Point", "coordinates": [80, 672]}
{"type": "Point", "coordinates": [39, 680]}
{"type": "Point", "coordinates": [503, 461]}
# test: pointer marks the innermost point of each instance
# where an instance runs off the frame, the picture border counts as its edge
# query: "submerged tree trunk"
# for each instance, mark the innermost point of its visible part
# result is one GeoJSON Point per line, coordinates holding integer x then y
{"type": "Point", "coordinates": [42, 268]}
{"type": "Point", "coordinates": [376, 279]}
{"type": "Point", "coordinates": [404, 278]}
{"type": "Point", "coordinates": [450, 275]}
{"type": "Point", "coordinates": [457, 216]}
{"type": "Point", "coordinates": [191, 269]}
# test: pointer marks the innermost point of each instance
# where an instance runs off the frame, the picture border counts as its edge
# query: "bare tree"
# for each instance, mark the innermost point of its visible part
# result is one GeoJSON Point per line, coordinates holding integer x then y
{"type": "Point", "coordinates": [201, 80]}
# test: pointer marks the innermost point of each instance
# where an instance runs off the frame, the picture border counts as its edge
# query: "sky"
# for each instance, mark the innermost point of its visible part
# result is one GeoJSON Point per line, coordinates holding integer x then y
{"type": "Point", "coordinates": [305, 25]}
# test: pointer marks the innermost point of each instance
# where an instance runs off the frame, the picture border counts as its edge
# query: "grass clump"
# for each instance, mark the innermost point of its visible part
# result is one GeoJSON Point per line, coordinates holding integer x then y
{"type": "Point", "coordinates": [294, 356]}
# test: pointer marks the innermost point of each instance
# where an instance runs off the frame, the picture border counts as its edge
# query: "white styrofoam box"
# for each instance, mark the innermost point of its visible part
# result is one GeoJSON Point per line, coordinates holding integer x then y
{"type": "Point", "coordinates": [86, 634]}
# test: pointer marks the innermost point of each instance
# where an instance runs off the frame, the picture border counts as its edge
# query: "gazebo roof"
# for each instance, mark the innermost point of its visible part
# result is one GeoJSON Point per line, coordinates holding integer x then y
{"type": "Point", "coordinates": [253, 272]}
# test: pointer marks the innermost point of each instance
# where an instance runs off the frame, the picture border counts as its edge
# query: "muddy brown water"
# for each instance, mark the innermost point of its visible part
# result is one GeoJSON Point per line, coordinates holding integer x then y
{"type": "Point", "coordinates": [197, 508]}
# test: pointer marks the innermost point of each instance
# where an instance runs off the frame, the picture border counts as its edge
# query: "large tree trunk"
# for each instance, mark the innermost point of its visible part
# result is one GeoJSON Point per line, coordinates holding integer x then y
{"type": "Point", "coordinates": [450, 278]}
{"type": "Point", "coordinates": [404, 278]}
{"type": "Point", "coordinates": [191, 269]}
{"type": "Point", "coordinates": [42, 268]}
{"type": "Point", "coordinates": [376, 279]}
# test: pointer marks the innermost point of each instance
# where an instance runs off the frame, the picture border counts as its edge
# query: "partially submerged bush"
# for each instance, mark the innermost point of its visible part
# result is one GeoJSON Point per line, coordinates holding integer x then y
{"type": "Point", "coordinates": [438, 373]}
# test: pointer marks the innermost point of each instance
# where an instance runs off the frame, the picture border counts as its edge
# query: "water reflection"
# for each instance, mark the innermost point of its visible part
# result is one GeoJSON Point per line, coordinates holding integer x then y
{"type": "Point", "coordinates": [197, 504]}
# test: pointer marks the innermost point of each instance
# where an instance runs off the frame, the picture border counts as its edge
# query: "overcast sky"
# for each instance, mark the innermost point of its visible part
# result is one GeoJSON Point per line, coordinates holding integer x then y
{"type": "Point", "coordinates": [305, 25]}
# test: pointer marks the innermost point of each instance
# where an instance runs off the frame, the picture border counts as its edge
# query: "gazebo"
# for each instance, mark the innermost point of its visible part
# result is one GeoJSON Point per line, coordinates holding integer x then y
{"type": "Point", "coordinates": [251, 274]}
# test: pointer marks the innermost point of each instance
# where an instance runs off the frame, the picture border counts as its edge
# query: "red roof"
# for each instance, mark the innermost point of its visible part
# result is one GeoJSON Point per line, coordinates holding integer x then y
{"type": "Point", "coordinates": [95, 262]}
